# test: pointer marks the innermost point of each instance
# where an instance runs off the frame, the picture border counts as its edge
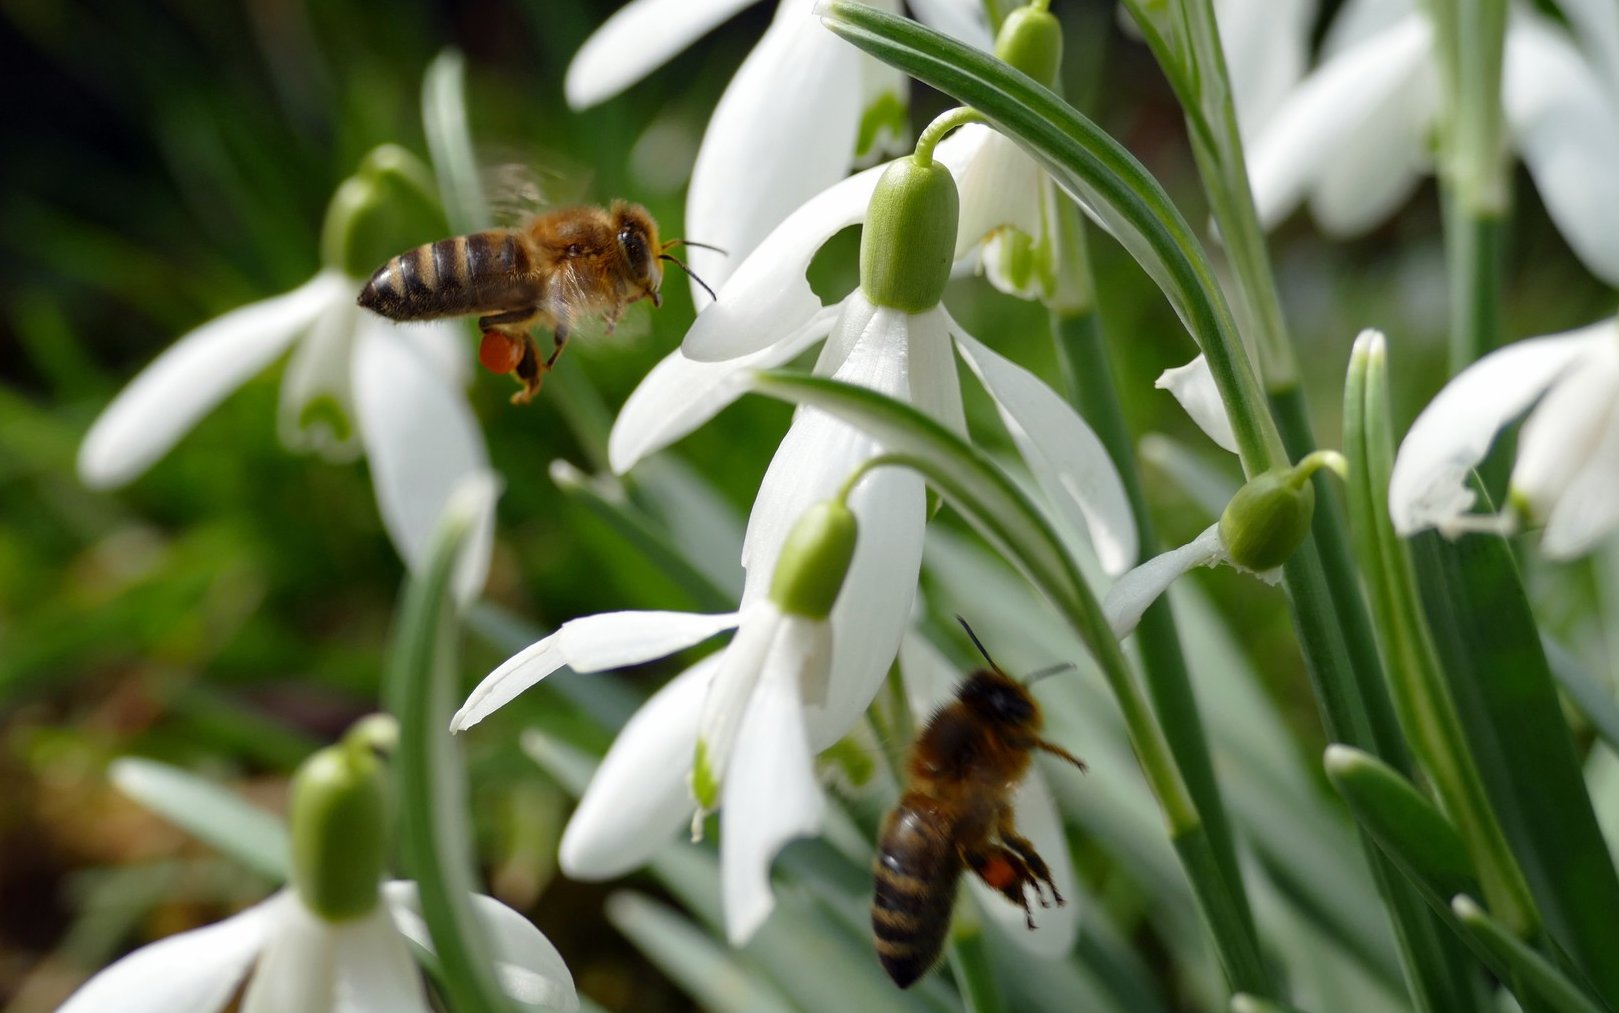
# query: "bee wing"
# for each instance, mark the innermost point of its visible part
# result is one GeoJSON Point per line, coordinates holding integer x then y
{"type": "Point", "coordinates": [517, 191]}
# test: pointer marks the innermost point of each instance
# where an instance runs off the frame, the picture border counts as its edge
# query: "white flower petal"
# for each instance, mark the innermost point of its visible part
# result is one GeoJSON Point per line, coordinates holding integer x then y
{"type": "Point", "coordinates": [771, 796]}
{"type": "Point", "coordinates": [192, 376]}
{"type": "Point", "coordinates": [679, 395]}
{"type": "Point", "coordinates": [1565, 427]}
{"type": "Point", "coordinates": [1266, 45]}
{"type": "Point", "coordinates": [190, 972]}
{"type": "Point", "coordinates": [768, 297]}
{"type": "Point", "coordinates": [637, 39]}
{"type": "Point", "coordinates": [763, 634]}
{"type": "Point", "coordinates": [783, 131]}
{"type": "Point", "coordinates": [298, 969]}
{"type": "Point", "coordinates": [1056, 927]}
{"type": "Point", "coordinates": [1359, 20]}
{"type": "Point", "coordinates": [884, 128]}
{"type": "Point", "coordinates": [1382, 159]}
{"type": "Point", "coordinates": [639, 797]}
{"type": "Point", "coordinates": [1595, 23]}
{"type": "Point", "coordinates": [930, 679]}
{"type": "Point", "coordinates": [376, 972]}
{"type": "Point", "coordinates": [1428, 486]}
{"type": "Point", "coordinates": [960, 19]}
{"type": "Point", "coordinates": [316, 414]}
{"type": "Point", "coordinates": [999, 185]}
{"type": "Point", "coordinates": [1193, 386]}
{"type": "Point", "coordinates": [1589, 507]}
{"type": "Point", "coordinates": [1132, 594]}
{"type": "Point", "coordinates": [1308, 132]}
{"type": "Point", "coordinates": [589, 644]}
{"type": "Point", "coordinates": [1066, 457]}
{"type": "Point", "coordinates": [1566, 122]}
{"type": "Point", "coordinates": [528, 967]}
{"type": "Point", "coordinates": [935, 384]}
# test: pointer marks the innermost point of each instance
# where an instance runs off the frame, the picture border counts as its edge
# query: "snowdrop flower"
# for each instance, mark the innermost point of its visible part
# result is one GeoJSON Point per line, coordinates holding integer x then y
{"type": "Point", "coordinates": [730, 731]}
{"type": "Point", "coordinates": [1267, 49]}
{"type": "Point", "coordinates": [802, 109]}
{"type": "Point", "coordinates": [1566, 475]}
{"type": "Point", "coordinates": [1354, 138]}
{"type": "Point", "coordinates": [338, 939]}
{"type": "Point", "coordinates": [355, 383]}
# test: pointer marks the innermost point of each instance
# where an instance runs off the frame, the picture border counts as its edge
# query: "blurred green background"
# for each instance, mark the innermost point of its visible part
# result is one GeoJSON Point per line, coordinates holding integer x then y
{"type": "Point", "coordinates": [167, 161]}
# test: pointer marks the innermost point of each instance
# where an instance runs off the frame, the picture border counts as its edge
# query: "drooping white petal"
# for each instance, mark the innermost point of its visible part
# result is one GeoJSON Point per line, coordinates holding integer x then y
{"type": "Point", "coordinates": [783, 131]}
{"type": "Point", "coordinates": [771, 796]}
{"type": "Point", "coordinates": [1589, 508]}
{"type": "Point", "coordinates": [298, 969]}
{"type": "Point", "coordinates": [530, 970]}
{"type": "Point", "coordinates": [637, 39]}
{"type": "Point", "coordinates": [316, 414]}
{"type": "Point", "coordinates": [768, 297]}
{"type": "Point", "coordinates": [640, 797]}
{"type": "Point", "coordinates": [1428, 486]}
{"type": "Point", "coordinates": [190, 972]}
{"type": "Point", "coordinates": [192, 376]}
{"type": "Point", "coordinates": [762, 635]}
{"type": "Point", "coordinates": [1132, 594]}
{"type": "Point", "coordinates": [1193, 386]}
{"type": "Point", "coordinates": [421, 441]}
{"type": "Point", "coordinates": [376, 972]}
{"type": "Point", "coordinates": [998, 182]}
{"type": "Point", "coordinates": [679, 395]}
{"type": "Point", "coordinates": [589, 644]}
{"type": "Point", "coordinates": [1566, 121]}
{"type": "Point", "coordinates": [960, 19]}
{"type": "Point", "coordinates": [1064, 454]}
{"type": "Point", "coordinates": [1056, 927]}
{"type": "Point", "coordinates": [1382, 159]}
{"type": "Point", "coordinates": [1307, 132]}
{"type": "Point", "coordinates": [935, 384]}
{"type": "Point", "coordinates": [1565, 426]}
{"type": "Point", "coordinates": [1266, 45]}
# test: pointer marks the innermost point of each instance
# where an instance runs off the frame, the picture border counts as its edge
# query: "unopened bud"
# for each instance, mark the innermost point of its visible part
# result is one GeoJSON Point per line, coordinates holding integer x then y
{"type": "Point", "coordinates": [340, 826]}
{"type": "Point", "coordinates": [910, 236]}
{"type": "Point", "coordinates": [1268, 518]}
{"type": "Point", "coordinates": [814, 561]}
{"type": "Point", "coordinates": [1030, 40]}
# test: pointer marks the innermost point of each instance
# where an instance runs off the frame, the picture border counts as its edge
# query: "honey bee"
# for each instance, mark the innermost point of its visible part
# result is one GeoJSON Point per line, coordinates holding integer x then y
{"type": "Point", "coordinates": [956, 814]}
{"type": "Point", "coordinates": [554, 271]}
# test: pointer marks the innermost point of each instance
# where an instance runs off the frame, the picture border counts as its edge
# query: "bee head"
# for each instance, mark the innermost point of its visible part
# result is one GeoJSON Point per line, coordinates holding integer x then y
{"type": "Point", "coordinates": [996, 697]}
{"type": "Point", "coordinates": [637, 236]}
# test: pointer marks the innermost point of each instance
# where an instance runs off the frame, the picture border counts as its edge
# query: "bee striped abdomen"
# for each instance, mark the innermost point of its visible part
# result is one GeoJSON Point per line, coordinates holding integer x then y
{"type": "Point", "coordinates": [485, 272]}
{"type": "Point", "coordinates": [915, 875]}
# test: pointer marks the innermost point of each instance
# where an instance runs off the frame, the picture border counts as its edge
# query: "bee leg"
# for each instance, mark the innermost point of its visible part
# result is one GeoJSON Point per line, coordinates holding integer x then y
{"type": "Point", "coordinates": [529, 372]}
{"type": "Point", "coordinates": [562, 333]}
{"type": "Point", "coordinates": [611, 318]}
{"type": "Point", "coordinates": [1005, 871]}
{"type": "Point", "coordinates": [1060, 753]}
{"type": "Point", "coordinates": [1040, 872]}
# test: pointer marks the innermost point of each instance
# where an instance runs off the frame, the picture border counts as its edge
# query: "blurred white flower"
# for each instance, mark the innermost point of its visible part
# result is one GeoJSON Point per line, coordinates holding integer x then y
{"type": "Point", "coordinates": [355, 382]}
{"type": "Point", "coordinates": [1566, 475]}
{"type": "Point", "coordinates": [1355, 136]}
{"type": "Point", "coordinates": [1267, 49]}
{"type": "Point", "coordinates": [803, 108]}
{"type": "Point", "coordinates": [300, 961]}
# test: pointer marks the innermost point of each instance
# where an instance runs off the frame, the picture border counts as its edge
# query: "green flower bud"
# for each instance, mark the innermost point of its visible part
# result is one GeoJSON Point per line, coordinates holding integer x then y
{"type": "Point", "coordinates": [910, 236]}
{"type": "Point", "coordinates": [1267, 519]}
{"type": "Point", "coordinates": [340, 827]}
{"type": "Point", "coordinates": [1031, 40]}
{"type": "Point", "coordinates": [814, 560]}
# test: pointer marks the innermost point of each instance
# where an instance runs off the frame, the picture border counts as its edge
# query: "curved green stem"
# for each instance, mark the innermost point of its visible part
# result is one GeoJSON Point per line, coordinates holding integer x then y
{"type": "Point", "coordinates": [942, 124]}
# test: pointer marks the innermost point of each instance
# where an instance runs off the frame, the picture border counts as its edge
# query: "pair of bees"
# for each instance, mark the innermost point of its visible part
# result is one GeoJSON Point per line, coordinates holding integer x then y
{"type": "Point", "coordinates": [956, 811]}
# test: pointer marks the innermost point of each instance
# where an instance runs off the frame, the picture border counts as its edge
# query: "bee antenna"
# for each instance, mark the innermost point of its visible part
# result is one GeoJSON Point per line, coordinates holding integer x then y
{"type": "Point", "coordinates": [1034, 677]}
{"type": "Point", "coordinates": [692, 242]}
{"type": "Point", "coordinates": [977, 643]}
{"type": "Point", "coordinates": [683, 267]}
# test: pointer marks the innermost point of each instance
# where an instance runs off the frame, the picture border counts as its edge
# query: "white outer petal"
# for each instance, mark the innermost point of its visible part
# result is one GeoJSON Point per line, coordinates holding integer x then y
{"type": "Point", "coordinates": [1132, 594]}
{"type": "Point", "coordinates": [322, 368]}
{"type": "Point", "coordinates": [1056, 927]}
{"type": "Point", "coordinates": [1428, 486]}
{"type": "Point", "coordinates": [1266, 45]}
{"type": "Point", "coordinates": [1309, 131]}
{"type": "Point", "coordinates": [1595, 23]}
{"type": "Point", "coordinates": [1066, 457]}
{"type": "Point", "coordinates": [770, 795]}
{"type": "Point", "coordinates": [1380, 160]}
{"type": "Point", "coordinates": [1359, 20]}
{"type": "Point", "coordinates": [1193, 386]}
{"type": "Point", "coordinates": [528, 967]}
{"type": "Point", "coordinates": [192, 376]}
{"type": "Point", "coordinates": [376, 972]}
{"type": "Point", "coordinates": [998, 182]}
{"type": "Point", "coordinates": [768, 297]}
{"type": "Point", "coordinates": [298, 969]}
{"type": "Point", "coordinates": [589, 644]}
{"type": "Point", "coordinates": [190, 972]}
{"type": "Point", "coordinates": [640, 797]}
{"type": "Point", "coordinates": [960, 19]}
{"type": "Point", "coordinates": [1566, 122]}
{"type": "Point", "coordinates": [930, 679]}
{"type": "Point", "coordinates": [1565, 426]}
{"type": "Point", "coordinates": [1585, 407]}
{"type": "Point", "coordinates": [783, 131]}
{"type": "Point", "coordinates": [637, 39]}
{"type": "Point", "coordinates": [679, 395]}
{"type": "Point", "coordinates": [763, 634]}
{"type": "Point", "coordinates": [935, 384]}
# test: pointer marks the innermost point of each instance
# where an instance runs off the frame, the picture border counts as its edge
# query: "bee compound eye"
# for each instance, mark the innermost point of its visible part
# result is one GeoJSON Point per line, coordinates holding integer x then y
{"type": "Point", "coordinates": [635, 250]}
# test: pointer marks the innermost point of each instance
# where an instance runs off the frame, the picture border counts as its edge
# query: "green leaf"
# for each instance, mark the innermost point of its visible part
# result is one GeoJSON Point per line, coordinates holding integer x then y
{"type": "Point", "coordinates": [210, 812]}
{"type": "Point", "coordinates": [1531, 969]}
{"type": "Point", "coordinates": [1415, 834]}
{"type": "Point", "coordinates": [449, 142]}
{"type": "Point", "coordinates": [435, 823]}
{"type": "Point", "coordinates": [704, 969]}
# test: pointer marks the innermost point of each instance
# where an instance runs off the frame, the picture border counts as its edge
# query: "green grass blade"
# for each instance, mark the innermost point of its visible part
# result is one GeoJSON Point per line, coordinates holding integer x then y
{"type": "Point", "coordinates": [449, 142]}
{"type": "Point", "coordinates": [1531, 969]}
{"type": "Point", "coordinates": [209, 812]}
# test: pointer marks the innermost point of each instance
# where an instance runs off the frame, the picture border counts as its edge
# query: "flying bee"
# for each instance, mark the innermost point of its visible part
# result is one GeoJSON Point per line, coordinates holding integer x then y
{"type": "Point", "coordinates": [956, 814]}
{"type": "Point", "coordinates": [554, 271]}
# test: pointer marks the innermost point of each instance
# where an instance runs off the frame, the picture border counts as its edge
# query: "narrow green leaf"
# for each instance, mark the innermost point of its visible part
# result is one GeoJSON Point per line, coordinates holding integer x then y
{"type": "Point", "coordinates": [1531, 969]}
{"type": "Point", "coordinates": [449, 142]}
{"type": "Point", "coordinates": [435, 824]}
{"type": "Point", "coordinates": [704, 969]}
{"type": "Point", "coordinates": [969, 960]}
{"type": "Point", "coordinates": [1403, 822]}
{"type": "Point", "coordinates": [210, 812]}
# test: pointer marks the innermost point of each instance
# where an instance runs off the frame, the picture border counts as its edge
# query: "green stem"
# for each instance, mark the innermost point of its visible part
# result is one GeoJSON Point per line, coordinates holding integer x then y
{"type": "Point", "coordinates": [1474, 242]}
{"type": "Point", "coordinates": [944, 123]}
{"type": "Point", "coordinates": [969, 960]}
